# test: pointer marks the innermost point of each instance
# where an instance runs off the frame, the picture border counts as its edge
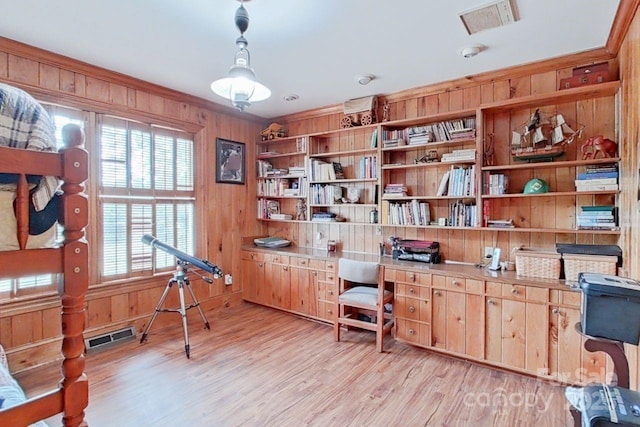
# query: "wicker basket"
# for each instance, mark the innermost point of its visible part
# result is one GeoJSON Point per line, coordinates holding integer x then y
{"type": "Point", "coordinates": [575, 264]}
{"type": "Point", "coordinates": [538, 263]}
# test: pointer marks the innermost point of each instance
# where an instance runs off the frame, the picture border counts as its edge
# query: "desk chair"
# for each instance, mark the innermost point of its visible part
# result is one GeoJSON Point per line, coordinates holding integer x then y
{"type": "Point", "coordinates": [362, 291]}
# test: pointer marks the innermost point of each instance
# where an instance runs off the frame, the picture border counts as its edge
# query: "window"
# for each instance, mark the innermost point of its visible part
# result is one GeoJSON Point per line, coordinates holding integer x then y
{"type": "Point", "coordinates": [145, 187]}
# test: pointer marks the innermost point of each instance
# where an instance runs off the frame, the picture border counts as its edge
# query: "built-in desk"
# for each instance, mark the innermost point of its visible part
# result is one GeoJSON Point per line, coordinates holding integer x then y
{"type": "Point", "coordinates": [496, 318]}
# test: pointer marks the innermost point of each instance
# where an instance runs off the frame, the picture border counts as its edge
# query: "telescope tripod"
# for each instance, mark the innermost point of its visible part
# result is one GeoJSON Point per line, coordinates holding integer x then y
{"type": "Point", "coordinates": [179, 278]}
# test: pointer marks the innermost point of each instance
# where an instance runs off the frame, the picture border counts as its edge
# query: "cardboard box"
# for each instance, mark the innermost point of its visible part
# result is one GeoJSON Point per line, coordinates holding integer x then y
{"type": "Point", "coordinates": [610, 307]}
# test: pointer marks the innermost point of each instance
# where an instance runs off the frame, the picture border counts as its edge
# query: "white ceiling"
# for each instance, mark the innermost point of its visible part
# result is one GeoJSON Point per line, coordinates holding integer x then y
{"type": "Point", "coordinates": [312, 48]}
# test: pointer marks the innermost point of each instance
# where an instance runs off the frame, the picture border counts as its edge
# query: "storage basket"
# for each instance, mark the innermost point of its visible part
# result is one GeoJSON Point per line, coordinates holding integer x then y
{"type": "Point", "coordinates": [538, 263]}
{"type": "Point", "coordinates": [575, 264]}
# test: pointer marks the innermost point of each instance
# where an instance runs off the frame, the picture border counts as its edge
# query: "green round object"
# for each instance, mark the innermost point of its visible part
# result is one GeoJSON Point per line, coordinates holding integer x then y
{"type": "Point", "coordinates": [536, 186]}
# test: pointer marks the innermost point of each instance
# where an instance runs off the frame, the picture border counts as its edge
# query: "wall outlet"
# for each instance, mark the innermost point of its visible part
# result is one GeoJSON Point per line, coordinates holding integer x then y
{"type": "Point", "coordinates": [378, 231]}
{"type": "Point", "coordinates": [228, 279]}
{"type": "Point", "coordinates": [488, 251]}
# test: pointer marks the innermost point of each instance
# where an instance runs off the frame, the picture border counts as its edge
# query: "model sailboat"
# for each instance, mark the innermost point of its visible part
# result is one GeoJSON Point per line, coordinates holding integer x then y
{"type": "Point", "coordinates": [544, 137]}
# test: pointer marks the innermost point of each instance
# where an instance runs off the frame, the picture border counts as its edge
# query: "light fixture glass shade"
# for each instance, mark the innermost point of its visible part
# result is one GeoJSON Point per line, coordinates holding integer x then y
{"type": "Point", "coordinates": [241, 86]}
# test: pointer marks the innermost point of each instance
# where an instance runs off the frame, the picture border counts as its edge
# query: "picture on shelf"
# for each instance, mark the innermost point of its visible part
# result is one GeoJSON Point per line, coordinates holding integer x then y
{"type": "Point", "coordinates": [230, 161]}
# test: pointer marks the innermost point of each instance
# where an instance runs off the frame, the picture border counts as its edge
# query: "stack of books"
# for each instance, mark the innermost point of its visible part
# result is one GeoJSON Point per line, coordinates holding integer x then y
{"type": "Point", "coordinates": [420, 135]}
{"type": "Point", "coordinates": [323, 216]}
{"type": "Point", "coordinates": [597, 218]}
{"type": "Point", "coordinates": [464, 133]}
{"type": "Point", "coordinates": [467, 154]}
{"type": "Point", "coordinates": [598, 178]}
{"type": "Point", "coordinates": [395, 190]}
{"type": "Point", "coordinates": [392, 138]}
{"type": "Point", "coordinates": [494, 184]}
{"type": "Point", "coordinates": [500, 223]}
{"type": "Point", "coordinates": [326, 194]}
{"type": "Point", "coordinates": [462, 215]}
{"type": "Point", "coordinates": [297, 170]}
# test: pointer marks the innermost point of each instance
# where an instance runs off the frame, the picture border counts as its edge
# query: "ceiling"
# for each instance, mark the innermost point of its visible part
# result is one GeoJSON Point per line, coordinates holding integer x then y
{"type": "Point", "coordinates": [310, 48]}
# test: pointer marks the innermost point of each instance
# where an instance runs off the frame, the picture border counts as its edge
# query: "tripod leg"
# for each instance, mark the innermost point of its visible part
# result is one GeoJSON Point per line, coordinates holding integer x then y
{"type": "Point", "coordinates": [196, 303]}
{"type": "Point", "coordinates": [183, 313]}
{"type": "Point", "coordinates": [158, 309]}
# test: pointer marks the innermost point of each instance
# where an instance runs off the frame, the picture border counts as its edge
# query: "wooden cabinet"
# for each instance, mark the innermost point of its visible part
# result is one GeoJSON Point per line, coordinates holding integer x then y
{"type": "Point", "coordinates": [298, 284]}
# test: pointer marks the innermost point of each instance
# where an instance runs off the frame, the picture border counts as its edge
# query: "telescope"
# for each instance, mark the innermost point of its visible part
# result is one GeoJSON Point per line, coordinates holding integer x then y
{"type": "Point", "coordinates": [184, 257]}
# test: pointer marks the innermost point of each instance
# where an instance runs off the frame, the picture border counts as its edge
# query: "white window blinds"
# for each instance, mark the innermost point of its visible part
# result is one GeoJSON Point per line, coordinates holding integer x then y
{"type": "Point", "coordinates": [146, 187]}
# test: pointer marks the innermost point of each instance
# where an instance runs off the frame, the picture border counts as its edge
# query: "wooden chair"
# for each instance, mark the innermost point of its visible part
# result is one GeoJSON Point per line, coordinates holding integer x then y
{"type": "Point", "coordinates": [362, 291]}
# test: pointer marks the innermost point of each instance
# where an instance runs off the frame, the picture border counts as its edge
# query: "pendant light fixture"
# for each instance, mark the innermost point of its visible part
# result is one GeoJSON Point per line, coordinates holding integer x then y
{"type": "Point", "coordinates": [241, 86]}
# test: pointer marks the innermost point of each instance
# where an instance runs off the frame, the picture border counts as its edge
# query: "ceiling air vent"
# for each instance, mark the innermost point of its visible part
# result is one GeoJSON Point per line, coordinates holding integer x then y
{"type": "Point", "coordinates": [109, 339]}
{"type": "Point", "coordinates": [488, 16]}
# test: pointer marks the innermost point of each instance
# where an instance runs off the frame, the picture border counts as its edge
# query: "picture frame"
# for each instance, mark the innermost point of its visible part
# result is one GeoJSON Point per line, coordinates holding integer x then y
{"type": "Point", "coordinates": [230, 162]}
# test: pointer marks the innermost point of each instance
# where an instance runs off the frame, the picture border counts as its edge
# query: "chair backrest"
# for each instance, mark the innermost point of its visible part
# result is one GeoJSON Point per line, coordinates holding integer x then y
{"type": "Point", "coordinates": [358, 271]}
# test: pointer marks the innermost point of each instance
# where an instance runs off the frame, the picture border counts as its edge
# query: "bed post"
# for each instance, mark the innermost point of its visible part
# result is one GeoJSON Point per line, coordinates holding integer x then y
{"type": "Point", "coordinates": [74, 216]}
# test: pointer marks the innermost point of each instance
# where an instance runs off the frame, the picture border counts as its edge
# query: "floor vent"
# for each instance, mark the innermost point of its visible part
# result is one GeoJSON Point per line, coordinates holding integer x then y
{"type": "Point", "coordinates": [107, 340]}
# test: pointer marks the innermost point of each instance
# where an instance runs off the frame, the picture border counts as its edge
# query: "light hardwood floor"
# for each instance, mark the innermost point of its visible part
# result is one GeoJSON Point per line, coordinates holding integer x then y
{"type": "Point", "coordinates": [261, 367]}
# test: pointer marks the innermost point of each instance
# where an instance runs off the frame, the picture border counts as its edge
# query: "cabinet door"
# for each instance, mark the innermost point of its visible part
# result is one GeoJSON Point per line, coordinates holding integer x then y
{"type": "Point", "coordinates": [537, 341]}
{"type": "Point", "coordinates": [439, 318]}
{"type": "Point", "coordinates": [303, 296]}
{"type": "Point", "coordinates": [493, 329]}
{"type": "Point", "coordinates": [474, 322]}
{"type": "Point", "coordinates": [456, 322]}
{"type": "Point", "coordinates": [513, 333]}
{"type": "Point", "coordinates": [277, 286]}
{"type": "Point", "coordinates": [252, 279]}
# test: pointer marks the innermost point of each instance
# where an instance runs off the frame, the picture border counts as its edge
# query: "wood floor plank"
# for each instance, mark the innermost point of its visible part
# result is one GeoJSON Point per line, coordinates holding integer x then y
{"type": "Point", "coordinates": [261, 367]}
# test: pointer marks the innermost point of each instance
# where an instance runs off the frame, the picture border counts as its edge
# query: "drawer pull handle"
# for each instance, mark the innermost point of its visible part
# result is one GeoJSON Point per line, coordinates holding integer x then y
{"type": "Point", "coordinates": [514, 291]}
{"type": "Point", "coordinates": [437, 293]}
{"type": "Point", "coordinates": [412, 332]}
{"type": "Point", "coordinates": [412, 277]}
{"type": "Point", "coordinates": [259, 264]}
{"type": "Point", "coordinates": [412, 309]}
{"type": "Point", "coordinates": [303, 262]}
{"type": "Point", "coordinates": [330, 292]}
{"type": "Point", "coordinates": [253, 256]}
{"type": "Point", "coordinates": [491, 302]}
{"type": "Point", "coordinates": [329, 311]}
{"type": "Point", "coordinates": [555, 311]}
{"type": "Point", "coordinates": [412, 291]}
{"type": "Point", "coordinates": [285, 268]}
{"type": "Point", "coordinates": [456, 283]}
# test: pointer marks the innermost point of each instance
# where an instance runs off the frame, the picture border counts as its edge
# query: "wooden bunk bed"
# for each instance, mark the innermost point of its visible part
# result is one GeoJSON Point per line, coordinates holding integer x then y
{"type": "Point", "coordinates": [69, 258]}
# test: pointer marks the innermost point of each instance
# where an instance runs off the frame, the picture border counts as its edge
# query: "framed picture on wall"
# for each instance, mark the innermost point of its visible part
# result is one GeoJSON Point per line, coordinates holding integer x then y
{"type": "Point", "coordinates": [230, 161]}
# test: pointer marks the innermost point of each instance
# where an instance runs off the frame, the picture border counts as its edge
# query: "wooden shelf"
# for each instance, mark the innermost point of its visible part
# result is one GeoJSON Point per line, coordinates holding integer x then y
{"type": "Point", "coordinates": [429, 145]}
{"type": "Point", "coordinates": [548, 230]}
{"type": "Point", "coordinates": [409, 198]}
{"type": "Point", "coordinates": [286, 139]}
{"type": "Point", "coordinates": [427, 165]}
{"type": "Point", "coordinates": [344, 205]}
{"type": "Point", "coordinates": [552, 165]}
{"type": "Point", "coordinates": [262, 156]}
{"type": "Point", "coordinates": [557, 97]}
{"type": "Point", "coordinates": [338, 181]}
{"type": "Point", "coordinates": [343, 153]}
{"type": "Point", "coordinates": [550, 194]}
{"type": "Point", "coordinates": [281, 197]}
{"type": "Point", "coordinates": [441, 117]}
{"type": "Point", "coordinates": [281, 177]}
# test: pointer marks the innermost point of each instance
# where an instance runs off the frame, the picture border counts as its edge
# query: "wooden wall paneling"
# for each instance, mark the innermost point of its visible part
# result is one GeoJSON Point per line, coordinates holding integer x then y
{"type": "Point", "coordinates": [99, 311]}
{"type": "Point", "coordinates": [119, 307]}
{"type": "Point", "coordinates": [6, 332]}
{"type": "Point", "coordinates": [51, 327]}
{"type": "Point", "coordinates": [97, 89]}
{"type": "Point", "coordinates": [520, 86]}
{"type": "Point", "coordinates": [513, 330]}
{"type": "Point", "coordinates": [443, 102]}
{"type": "Point", "coordinates": [67, 81]}
{"type": "Point", "coordinates": [472, 97]}
{"type": "Point", "coordinates": [411, 108]}
{"type": "Point", "coordinates": [537, 342]}
{"type": "Point", "coordinates": [431, 104]}
{"type": "Point", "coordinates": [23, 70]}
{"type": "Point", "coordinates": [543, 82]}
{"type": "Point", "coordinates": [456, 100]}
{"type": "Point", "coordinates": [4, 65]}
{"type": "Point", "coordinates": [49, 77]}
{"type": "Point", "coordinates": [502, 90]}
{"type": "Point", "coordinates": [118, 94]}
